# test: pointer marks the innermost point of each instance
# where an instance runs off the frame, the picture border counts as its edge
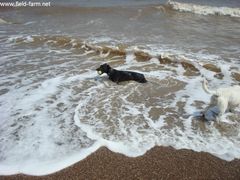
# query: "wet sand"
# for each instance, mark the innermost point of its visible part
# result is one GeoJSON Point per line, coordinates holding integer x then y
{"type": "Point", "coordinates": [158, 163]}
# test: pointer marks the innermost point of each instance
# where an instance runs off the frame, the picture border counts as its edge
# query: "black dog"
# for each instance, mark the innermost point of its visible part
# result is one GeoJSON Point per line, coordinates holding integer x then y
{"type": "Point", "coordinates": [119, 76]}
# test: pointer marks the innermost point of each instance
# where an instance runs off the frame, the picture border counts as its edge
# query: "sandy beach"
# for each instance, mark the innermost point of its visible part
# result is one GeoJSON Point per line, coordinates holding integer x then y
{"type": "Point", "coordinates": [158, 163]}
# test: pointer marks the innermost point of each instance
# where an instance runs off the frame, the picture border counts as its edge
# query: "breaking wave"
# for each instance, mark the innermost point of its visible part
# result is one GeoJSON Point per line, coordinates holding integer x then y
{"type": "Point", "coordinates": [119, 52]}
{"type": "Point", "coordinates": [203, 10]}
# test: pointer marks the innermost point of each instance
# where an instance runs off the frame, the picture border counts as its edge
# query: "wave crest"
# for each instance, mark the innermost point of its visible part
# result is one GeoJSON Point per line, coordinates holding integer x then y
{"type": "Point", "coordinates": [118, 53]}
{"type": "Point", "coordinates": [203, 10]}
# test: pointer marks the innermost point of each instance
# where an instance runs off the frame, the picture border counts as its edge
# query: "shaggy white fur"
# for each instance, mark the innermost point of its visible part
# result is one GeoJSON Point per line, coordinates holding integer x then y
{"type": "Point", "coordinates": [227, 98]}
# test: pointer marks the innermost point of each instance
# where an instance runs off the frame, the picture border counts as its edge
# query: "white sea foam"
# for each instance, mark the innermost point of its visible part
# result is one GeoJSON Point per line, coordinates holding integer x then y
{"type": "Point", "coordinates": [204, 10]}
{"type": "Point", "coordinates": [132, 133]}
{"type": "Point", "coordinates": [3, 21]}
{"type": "Point", "coordinates": [52, 123]}
{"type": "Point", "coordinates": [29, 39]}
{"type": "Point", "coordinates": [140, 142]}
{"type": "Point", "coordinates": [36, 142]}
{"type": "Point", "coordinates": [30, 22]}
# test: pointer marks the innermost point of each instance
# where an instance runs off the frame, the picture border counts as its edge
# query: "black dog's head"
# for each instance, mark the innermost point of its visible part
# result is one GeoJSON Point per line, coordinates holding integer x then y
{"type": "Point", "coordinates": [104, 68]}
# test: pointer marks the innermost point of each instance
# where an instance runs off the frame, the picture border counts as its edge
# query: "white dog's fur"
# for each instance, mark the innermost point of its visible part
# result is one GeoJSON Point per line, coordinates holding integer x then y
{"type": "Point", "coordinates": [227, 98]}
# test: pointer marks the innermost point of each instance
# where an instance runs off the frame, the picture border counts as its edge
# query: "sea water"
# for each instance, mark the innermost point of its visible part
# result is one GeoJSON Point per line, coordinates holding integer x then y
{"type": "Point", "coordinates": [55, 109]}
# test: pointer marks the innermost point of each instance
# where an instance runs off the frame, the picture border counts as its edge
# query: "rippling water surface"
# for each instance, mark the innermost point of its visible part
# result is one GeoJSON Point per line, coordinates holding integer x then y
{"type": "Point", "coordinates": [55, 110]}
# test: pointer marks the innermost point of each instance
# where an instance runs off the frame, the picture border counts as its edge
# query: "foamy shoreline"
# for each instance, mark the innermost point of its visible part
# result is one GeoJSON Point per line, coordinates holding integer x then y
{"type": "Point", "coordinates": [159, 162]}
{"type": "Point", "coordinates": [178, 82]}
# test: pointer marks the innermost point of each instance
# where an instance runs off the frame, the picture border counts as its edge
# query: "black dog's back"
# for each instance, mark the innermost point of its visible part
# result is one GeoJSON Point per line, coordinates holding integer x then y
{"type": "Point", "coordinates": [138, 77]}
{"type": "Point", "coordinates": [119, 76]}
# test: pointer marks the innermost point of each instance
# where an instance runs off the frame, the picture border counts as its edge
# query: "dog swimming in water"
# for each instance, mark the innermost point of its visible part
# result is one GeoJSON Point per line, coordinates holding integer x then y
{"type": "Point", "coordinates": [227, 98]}
{"type": "Point", "coordinates": [119, 76]}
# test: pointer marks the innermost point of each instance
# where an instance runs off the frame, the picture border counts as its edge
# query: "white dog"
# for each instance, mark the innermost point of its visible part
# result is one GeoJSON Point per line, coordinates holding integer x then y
{"type": "Point", "coordinates": [227, 98]}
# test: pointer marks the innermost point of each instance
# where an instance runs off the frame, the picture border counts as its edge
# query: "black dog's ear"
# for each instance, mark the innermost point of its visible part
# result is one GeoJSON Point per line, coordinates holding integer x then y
{"type": "Point", "coordinates": [105, 66]}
